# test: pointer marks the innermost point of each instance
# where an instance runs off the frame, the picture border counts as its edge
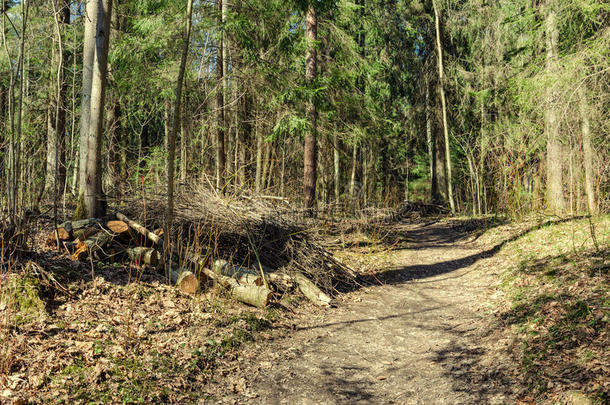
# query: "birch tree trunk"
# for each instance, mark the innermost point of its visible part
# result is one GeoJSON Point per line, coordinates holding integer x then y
{"type": "Point", "coordinates": [310, 158]}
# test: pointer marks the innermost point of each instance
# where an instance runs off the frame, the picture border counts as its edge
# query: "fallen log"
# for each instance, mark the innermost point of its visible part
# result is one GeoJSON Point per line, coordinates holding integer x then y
{"type": "Point", "coordinates": [141, 229]}
{"type": "Point", "coordinates": [243, 275]}
{"type": "Point", "coordinates": [309, 289]}
{"type": "Point", "coordinates": [186, 281]}
{"type": "Point", "coordinates": [92, 245]}
{"type": "Point", "coordinates": [70, 230]}
{"type": "Point", "coordinates": [144, 255]}
{"type": "Point", "coordinates": [281, 281]}
{"type": "Point", "coordinates": [85, 233]}
{"type": "Point", "coordinates": [254, 295]}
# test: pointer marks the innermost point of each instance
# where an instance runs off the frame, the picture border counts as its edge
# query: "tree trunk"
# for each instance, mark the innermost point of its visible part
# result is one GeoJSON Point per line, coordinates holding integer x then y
{"type": "Point", "coordinates": [431, 144]}
{"type": "Point", "coordinates": [554, 155]}
{"type": "Point", "coordinates": [225, 89]}
{"type": "Point", "coordinates": [260, 144]}
{"type": "Point", "coordinates": [184, 141]}
{"type": "Point", "coordinates": [588, 155]}
{"type": "Point", "coordinates": [337, 167]}
{"type": "Point", "coordinates": [15, 130]}
{"type": "Point", "coordinates": [56, 119]}
{"type": "Point", "coordinates": [114, 165]}
{"type": "Point", "coordinates": [93, 163]}
{"type": "Point", "coordinates": [310, 158]}
{"type": "Point", "coordinates": [90, 18]}
{"type": "Point", "coordinates": [167, 118]}
{"type": "Point", "coordinates": [441, 80]}
{"type": "Point", "coordinates": [352, 183]}
{"type": "Point", "coordinates": [177, 119]}
{"type": "Point", "coordinates": [220, 108]}
{"type": "Point", "coordinates": [266, 161]}
{"type": "Point", "coordinates": [243, 132]}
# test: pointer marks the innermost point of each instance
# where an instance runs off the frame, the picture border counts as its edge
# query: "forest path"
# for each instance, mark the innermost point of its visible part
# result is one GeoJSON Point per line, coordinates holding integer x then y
{"type": "Point", "coordinates": [423, 337]}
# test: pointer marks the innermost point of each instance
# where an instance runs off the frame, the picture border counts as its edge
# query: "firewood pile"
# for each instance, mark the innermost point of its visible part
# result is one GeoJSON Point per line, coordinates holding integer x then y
{"type": "Point", "coordinates": [239, 244]}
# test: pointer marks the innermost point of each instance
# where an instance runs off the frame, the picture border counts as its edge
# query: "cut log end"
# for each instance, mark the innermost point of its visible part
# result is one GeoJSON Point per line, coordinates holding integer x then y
{"type": "Point", "coordinates": [63, 234]}
{"type": "Point", "coordinates": [118, 227]}
{"type": "Point", "coordinates": [188, 282]}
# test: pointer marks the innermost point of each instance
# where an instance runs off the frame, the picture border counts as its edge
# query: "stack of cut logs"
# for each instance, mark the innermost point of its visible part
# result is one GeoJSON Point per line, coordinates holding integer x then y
{"type": "Point", "coordinates": [117, 237]}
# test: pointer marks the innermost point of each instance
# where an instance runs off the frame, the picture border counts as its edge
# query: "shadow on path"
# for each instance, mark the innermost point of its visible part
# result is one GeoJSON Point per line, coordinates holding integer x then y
{"type": "Point", "coordinates": [421, 271]}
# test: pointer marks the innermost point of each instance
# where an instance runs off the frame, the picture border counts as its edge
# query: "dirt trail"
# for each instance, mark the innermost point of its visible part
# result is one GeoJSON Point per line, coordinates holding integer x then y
{"type": "Point", "coordinates": [421, 338]}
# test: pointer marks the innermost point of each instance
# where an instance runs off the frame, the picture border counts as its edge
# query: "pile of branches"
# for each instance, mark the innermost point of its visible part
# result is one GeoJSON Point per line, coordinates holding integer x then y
{"type": "Point", "coordinates": [244, 234]}
{"type": "Point", "coordinates": [413, 210]}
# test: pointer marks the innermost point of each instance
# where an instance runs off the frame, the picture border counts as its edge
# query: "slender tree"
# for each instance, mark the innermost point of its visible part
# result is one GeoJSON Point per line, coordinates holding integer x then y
{"type": "Point", "coordinates": [220, 104]}
{"type": "Point", "coordinates": [176, 120]}
{"type": "Point", "coordinates": [56, 114]}
{"type": "Point", "coordinates": [310, 159]}
{"type": "Point", "coordinates": [441, 79]}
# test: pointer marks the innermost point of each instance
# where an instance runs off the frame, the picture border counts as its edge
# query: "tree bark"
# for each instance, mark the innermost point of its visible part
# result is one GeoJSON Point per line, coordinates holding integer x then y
{"type": "Point", "coordinates": [337, 168]}
{"type": "Point", "coordinates": [90, 18]}
{"type": "Point", "coordinates": [167, 113]}
{"type": "Point", "coordinates": [431, 144]}
{"type": "Point", "coordinates": [143, 255]}
{"type": "Point", "coordinates": [441, 78]}
{"type": "Point", "coordinates": [554, 155]}
{"type": "Point", "coordinates": [220, 108]}
{"type": "Point", "coordinates": [243, 130]}
{"type": "Point", "coordinates": [92, 168]}
{"type": "Point", "coordinates": [310, 158]}
{"type": "Point", "coordinates": [260, 144]}
{"type": "Point", "coordinates": [225, 89]}
{"type": "Point", "coordinates": [257, 296]}
{"type": "Point", "coordinates": [588, 155]}
{"type": "Point", "coordinates": [56, 118]}
{"type": "Point", "coordinates": [175, 122]}
{"type": "Point", "coordinates": [156, 239]}
{"type": "Point", "coordinates": [309, 289]}
{"type": "Point", "coordinates": [115, 162]}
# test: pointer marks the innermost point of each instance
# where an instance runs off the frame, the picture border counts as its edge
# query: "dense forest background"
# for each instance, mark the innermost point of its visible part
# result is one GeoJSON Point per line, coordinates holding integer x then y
{"type": "Point", "coordinates": [485, 106]}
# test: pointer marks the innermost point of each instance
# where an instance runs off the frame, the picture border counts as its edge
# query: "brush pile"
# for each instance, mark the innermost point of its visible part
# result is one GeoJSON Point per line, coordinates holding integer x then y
{"type": "Point", "coordinates": [413, 210]}
{"type": "Point", "coordinates": [245, 244]}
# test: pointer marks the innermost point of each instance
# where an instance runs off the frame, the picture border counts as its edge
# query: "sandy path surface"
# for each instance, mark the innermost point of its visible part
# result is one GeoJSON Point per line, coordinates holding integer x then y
{"type": "Point", "coordinates": [424, 337]}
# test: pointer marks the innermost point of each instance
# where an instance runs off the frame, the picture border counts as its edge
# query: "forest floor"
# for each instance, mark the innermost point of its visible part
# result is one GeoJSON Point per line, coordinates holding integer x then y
{"type": "Point", "coordinates": [463, 311]}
